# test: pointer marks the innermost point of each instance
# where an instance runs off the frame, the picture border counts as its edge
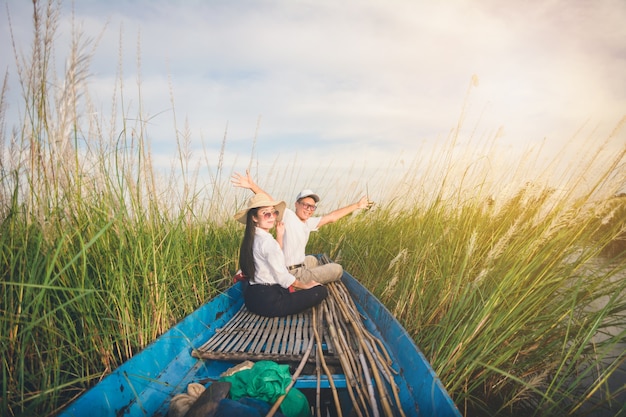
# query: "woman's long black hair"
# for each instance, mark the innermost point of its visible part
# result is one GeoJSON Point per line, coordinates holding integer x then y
{"type": "Point", "coordinates": [246, 259]}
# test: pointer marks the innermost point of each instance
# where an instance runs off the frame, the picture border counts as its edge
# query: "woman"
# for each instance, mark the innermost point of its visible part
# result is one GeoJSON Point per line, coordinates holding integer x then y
{"type": "Point", "coordinates": [262, 261]}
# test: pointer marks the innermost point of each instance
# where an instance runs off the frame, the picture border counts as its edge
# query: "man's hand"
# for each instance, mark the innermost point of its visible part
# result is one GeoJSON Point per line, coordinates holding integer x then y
{"type": "Point", "coordinates": [364, 203]}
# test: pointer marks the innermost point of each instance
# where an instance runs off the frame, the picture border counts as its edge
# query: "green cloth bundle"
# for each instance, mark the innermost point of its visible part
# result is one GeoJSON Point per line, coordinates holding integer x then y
{"type": "Point", "coordinates": [267, 381]}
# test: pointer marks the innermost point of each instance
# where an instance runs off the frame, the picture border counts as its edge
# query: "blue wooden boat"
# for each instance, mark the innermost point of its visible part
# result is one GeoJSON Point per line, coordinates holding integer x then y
{"type": "Point", "coordinates": [145, 384]}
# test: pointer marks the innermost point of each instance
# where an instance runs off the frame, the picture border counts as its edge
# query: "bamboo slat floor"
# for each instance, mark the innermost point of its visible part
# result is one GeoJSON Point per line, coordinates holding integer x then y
{"type": "Point", "coordinates": [248, 336]}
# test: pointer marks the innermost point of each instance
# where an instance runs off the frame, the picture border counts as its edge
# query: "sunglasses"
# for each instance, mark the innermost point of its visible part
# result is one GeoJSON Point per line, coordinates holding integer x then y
{"type": "Point", "coordinates": [307, 206]}
{"type": "Point", "coordinates": [269, 214]}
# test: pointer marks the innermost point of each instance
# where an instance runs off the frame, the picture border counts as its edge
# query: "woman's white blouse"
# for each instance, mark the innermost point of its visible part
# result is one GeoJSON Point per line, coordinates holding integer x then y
{"type": "Point", "coordinates": [269, 261]}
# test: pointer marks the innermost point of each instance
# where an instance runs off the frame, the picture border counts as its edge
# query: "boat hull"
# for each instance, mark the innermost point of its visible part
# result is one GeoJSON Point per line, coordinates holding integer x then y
{"type": "Point", "coordinates": [145, 384]}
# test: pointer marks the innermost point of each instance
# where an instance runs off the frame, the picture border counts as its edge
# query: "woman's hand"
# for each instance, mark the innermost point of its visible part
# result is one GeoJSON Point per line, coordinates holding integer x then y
{"type": "Point", "coordinates": [246, 181]}
{"type": "Point", "coordinates": [304, 285]}
{"type": "Point", "coordinates": [280, 233]}
{"type": "Point", "coordinates": [239, 180]}
{"type": "Point", "coordinates": [280, 229]}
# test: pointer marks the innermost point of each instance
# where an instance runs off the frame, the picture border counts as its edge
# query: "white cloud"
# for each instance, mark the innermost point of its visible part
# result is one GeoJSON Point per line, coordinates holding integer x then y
{"type": "Point", "coordinates": [361, 80]}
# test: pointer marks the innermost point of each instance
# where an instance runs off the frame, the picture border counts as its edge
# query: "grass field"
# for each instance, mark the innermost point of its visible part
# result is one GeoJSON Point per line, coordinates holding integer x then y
{"type": "Point", "coordinates": [517, 299]}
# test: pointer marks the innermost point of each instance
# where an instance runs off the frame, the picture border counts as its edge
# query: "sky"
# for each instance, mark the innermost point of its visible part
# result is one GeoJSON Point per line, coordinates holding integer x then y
{"type": "Point", "coordinates": [332, 85]}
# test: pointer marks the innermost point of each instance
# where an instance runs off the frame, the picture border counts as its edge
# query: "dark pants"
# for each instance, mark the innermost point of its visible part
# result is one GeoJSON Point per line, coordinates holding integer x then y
{"type": "Point", "coordinates": [276, 301]}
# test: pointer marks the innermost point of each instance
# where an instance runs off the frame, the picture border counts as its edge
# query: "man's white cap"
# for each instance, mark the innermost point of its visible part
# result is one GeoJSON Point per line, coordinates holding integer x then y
{"type": "Point", "coordinates": [308, 193]}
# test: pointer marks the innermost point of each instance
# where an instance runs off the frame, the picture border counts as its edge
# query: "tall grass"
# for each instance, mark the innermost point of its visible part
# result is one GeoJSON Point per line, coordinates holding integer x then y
{"type": "Point", "coordinates": [517, 299]}
{"type": "Point", "coordinates": [96, 260]}
{"type": "Point", "coordinates": [504, 303]}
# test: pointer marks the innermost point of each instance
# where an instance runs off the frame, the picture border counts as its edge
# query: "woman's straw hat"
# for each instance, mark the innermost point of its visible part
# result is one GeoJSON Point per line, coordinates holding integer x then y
{"type": "Point", "coordinates": [261, 200]}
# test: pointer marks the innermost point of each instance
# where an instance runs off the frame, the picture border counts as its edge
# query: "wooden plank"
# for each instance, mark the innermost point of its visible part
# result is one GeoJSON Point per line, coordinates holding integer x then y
{"type": "Point", "coordinates": [241, 338]}
{"type": "Point", "coordinates": [254, 341]}
{"type": "Point", "coordinates": [272, 334]}
{"type": "Point", "coordinates": [288, 337]}
{"type": "Point", "coordinates": [260, 341]}
{"type": "Point", "coordinates": [297, 345]}
{"type": "Point", "coordinates": [233, 332]}
{"type": "Point", "coordinates": [306, 331]}
{"type": "Point", "coordinates": [234, 328]}
{"type": "Point", "coordinates": [224, 333]}
{"type": "Point", "coordinates": [281, 331]}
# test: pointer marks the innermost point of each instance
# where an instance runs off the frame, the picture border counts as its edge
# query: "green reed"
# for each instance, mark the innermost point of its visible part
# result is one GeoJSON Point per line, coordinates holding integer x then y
{"type": "Point", "coordinates": [95, 262]}
{"type": "Point", "coordinates": [507, 303]}
{"type": "Point", "coordinates": [515, 300]}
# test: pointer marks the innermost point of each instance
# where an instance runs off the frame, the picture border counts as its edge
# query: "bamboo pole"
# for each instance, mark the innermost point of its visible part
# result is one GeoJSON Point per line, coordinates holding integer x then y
{"type": "Point", "coordinates": [318, 372]}
{"type": "Point", "coordinates": [345, 365]}
{"type": "Point", "coordinates": [320, 353]}
{"type": "Point", "coordinates": [346, 338]}
{"type": "Point", "coordinates": [377, 357]}
{"type": "Point", "coordinates": [375, 346]}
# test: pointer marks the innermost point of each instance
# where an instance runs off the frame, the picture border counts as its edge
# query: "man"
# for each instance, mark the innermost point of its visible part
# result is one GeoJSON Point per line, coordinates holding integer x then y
{"type": "Point", "coordinates": [298, 225]}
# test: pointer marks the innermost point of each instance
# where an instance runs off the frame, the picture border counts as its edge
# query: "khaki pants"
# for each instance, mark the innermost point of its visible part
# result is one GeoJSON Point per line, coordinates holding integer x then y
{"type": "Point", "coordinates": [313, 271]}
